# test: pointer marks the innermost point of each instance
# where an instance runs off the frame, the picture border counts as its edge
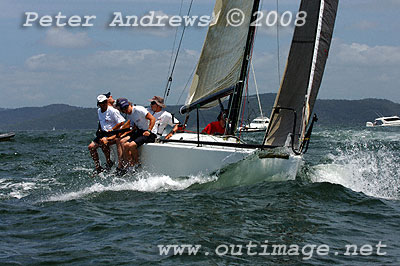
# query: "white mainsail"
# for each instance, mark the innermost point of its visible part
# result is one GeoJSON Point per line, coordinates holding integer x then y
{"type": "Point", "coordinates": [221, 59]}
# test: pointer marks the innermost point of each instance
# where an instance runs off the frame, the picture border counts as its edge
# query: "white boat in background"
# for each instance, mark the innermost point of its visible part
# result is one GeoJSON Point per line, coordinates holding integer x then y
{"type": "Point", "coordinates": [221, 74]}
{"type": "Point", "coordinates": [388, 121]}
{"type": "Point", "coordinates": [258, 124]}
{"type": "Point", "coordinates": [7, 136]}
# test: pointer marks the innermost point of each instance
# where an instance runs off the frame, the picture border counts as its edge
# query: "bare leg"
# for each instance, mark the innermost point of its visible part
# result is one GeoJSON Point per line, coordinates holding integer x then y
{"type": "Point", "coordinates": [120, 149]}
{"type": "Point", "coordinates": [95, 156]}
{"type": "Point", "coordinates": [126, 152]}
{"type": "Point", "coordinates": [106, 151]}
{"type": "Point", "coordinates": [135, 155]}
{"type": "Point", "coordinates": [130, 152]}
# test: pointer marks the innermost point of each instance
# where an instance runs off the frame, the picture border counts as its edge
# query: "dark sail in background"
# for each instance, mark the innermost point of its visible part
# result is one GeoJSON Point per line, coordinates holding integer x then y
{"type": "Point", "coordinates": [304, 70]}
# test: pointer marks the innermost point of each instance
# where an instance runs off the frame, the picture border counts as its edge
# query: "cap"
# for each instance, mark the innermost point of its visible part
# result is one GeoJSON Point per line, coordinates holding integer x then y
{"type": "Point", "coordinates": [108, 94]}
{"type": "Point", "coordinates": [101, 98]}
{"type": "Point", "coordinates": [159, 101]}
{"type": "Point", "coordinates": [122, 103]}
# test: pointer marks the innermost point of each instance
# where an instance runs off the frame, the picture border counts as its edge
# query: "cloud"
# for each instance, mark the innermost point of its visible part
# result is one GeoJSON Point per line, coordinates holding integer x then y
{"type": "Point", "coordinates": [113, 59]}
{"type": "Point", "coordinates": [364, 55]}
{"type": "Point", "coordinates": [267, 26]}
{"type": "Point", "coordinates": [61, 38]}
{"type": "Point", "coordinates": [365, 25]}
{"type": "Point", "coordinates": [354, 71]}
{"type": "Point", "coordinates": [76, 80]}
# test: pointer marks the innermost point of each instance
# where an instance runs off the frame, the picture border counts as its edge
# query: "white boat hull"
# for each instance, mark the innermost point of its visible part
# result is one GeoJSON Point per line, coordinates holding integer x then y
{"type": "Point", "coordinates": [257, 125]}
{"type": "Point", "coordinates": [389, 121]}
{"type": "Point", "coordinates": [249, 129]}
{"type": "Point", "coordinates": [182, 159]}
{"type": "Point", "coordinates": [369, 124]}
{"type": "Point", "coordinates": [6, 136]}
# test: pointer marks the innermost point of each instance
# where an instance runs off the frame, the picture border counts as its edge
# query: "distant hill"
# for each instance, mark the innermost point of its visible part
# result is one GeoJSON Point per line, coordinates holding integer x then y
{"type": "Point", "coordinates": [354, 112]}
{"type": "Point", "coordinates": [61, 116]}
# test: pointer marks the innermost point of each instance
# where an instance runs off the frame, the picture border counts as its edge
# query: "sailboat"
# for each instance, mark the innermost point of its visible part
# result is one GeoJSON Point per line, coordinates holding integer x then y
{"type": "Point", "coordinates": [220, 78]}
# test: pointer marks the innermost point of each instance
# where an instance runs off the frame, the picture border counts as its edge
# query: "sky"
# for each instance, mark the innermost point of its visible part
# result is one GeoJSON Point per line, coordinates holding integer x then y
{"type": "Point", "coordinates": [42, 65]}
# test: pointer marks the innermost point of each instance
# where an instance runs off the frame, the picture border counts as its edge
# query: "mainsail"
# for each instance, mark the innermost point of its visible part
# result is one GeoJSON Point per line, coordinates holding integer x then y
{"type": "Point", "coordinates": [221, 61]}
{"type": "Point", "coordinates": [303, 74]}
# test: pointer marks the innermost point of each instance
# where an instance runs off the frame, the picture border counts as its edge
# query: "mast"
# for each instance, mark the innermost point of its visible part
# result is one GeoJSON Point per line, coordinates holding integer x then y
{"type": "Point", "coordinates": [235, 100]}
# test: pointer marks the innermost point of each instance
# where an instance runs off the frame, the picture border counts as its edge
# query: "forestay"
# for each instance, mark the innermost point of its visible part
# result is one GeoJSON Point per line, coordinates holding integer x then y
{"type": "Point", "coordinates": [304, 71]}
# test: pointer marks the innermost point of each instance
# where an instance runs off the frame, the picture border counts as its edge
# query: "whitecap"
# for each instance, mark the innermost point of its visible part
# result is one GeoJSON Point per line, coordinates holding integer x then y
{"type": "Point", "coordinates": [143, 182]}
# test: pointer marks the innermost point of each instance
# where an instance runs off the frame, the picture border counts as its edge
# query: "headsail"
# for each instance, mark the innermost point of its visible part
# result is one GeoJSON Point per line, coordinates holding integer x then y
{"type": "Point", "coordinates": [304, 71]}
{"type": "Point", "coordinates": [220, 64]}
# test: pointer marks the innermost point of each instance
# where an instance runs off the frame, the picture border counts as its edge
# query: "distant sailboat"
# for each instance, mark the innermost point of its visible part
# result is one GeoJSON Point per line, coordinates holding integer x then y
{"type": "Point", "coordinates": [221, 73]}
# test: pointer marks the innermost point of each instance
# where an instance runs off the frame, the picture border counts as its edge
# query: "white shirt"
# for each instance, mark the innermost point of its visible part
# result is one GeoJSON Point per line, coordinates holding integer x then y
{"type": "Point", "coordinates": [163, 118]}
{"type": "Point", "coordinates": [109, 118]}
{"type": "Point", "coordinates": [138, 117]}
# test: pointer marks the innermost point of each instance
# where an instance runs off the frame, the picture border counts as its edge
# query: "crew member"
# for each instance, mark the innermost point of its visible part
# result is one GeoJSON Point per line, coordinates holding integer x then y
{"type": "Point", "coordinates": [216, 127]}
{"type": "Point", "coordinates": [109, 118]}
{"type": "Point", "coordinates": [163, 118]}
{"type": "Point", "coordinates": [142, 122]}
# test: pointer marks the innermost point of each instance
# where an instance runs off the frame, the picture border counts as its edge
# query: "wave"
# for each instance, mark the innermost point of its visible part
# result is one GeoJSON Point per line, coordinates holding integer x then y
{"type": "Point", "coordinates": [368, 163]}
{"type": "Point", "coordinates": [10, 189]}
{"type": "Point", "coordinates": [141, 182]}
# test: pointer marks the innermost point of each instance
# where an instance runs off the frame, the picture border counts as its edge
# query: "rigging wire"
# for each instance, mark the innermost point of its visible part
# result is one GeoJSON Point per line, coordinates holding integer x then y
{"type": "Point", "coordinates": [278, 45]}
{"type": "Point", "coordinates": [169, 82]}
{"type": "Point", "coordinates": [173, 45]}
{"type": "Point", "coordinates": [255, 83]}
{"type": "Point", "coordinates": [247, 80]}
{"type": "Point", "coordinates": [243, 105]}
{"type": "Point", "coordinates": [187, 83]}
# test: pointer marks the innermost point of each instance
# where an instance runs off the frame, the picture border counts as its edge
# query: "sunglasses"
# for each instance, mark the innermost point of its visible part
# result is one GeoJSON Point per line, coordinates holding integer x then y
{"type": "Point", "coordinates": [153, 103]}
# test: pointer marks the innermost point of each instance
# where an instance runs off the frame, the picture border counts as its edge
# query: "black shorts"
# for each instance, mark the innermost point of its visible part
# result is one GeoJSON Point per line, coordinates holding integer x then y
{"type": "Point", "coordinates": [139, 139]}
{"type": "Point", "coordinates": [101, 134]}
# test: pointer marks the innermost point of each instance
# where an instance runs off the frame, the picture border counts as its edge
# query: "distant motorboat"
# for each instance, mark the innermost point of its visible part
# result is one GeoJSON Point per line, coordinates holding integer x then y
{"type": "Point", "coordinates": [257, 124]}
{"type": "Point", "coordinates": [7, 136]}
{"type": "Point", "coordinates": [389, 121]}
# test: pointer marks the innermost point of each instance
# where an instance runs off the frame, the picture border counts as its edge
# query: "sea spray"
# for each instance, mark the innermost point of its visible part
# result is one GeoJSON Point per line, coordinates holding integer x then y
{"type": "Point", "coordinates": [141, 181]}
{"type": "Point", "coordinates": [363, 161]}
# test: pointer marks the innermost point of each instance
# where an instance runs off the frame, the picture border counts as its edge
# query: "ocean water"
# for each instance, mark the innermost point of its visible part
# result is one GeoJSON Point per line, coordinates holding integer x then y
{"type": "Point", "coordinates": [343, 208]}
